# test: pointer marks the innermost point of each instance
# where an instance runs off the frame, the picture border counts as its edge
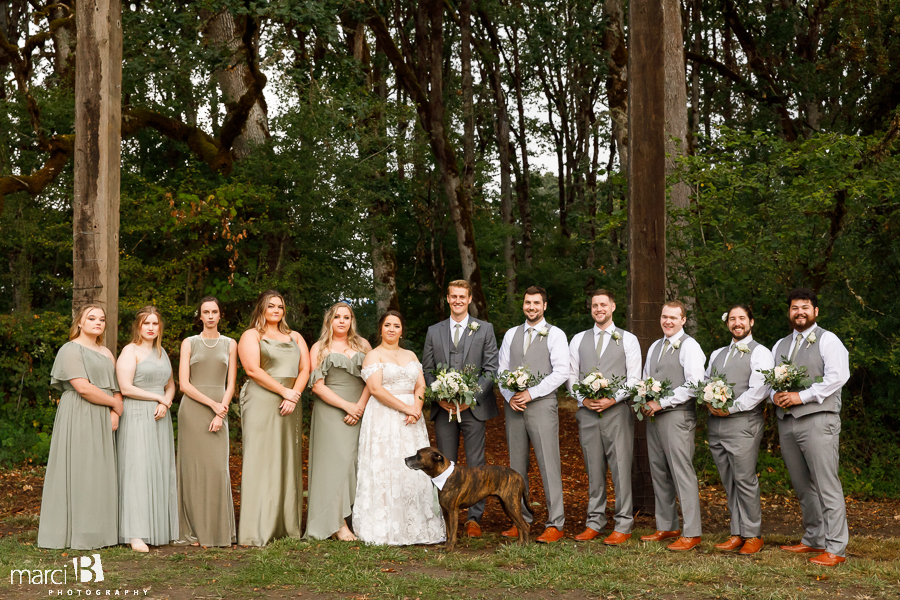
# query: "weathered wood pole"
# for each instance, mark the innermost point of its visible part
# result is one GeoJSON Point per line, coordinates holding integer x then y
{"type": "Point", "coordinates": [98, 146]}
{"type": "Point", "coordinates": [646, 202]}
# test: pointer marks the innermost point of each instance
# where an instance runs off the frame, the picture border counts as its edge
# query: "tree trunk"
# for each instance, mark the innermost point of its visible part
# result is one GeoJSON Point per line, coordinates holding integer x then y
{"type": "Point", "coordinates": [468, 112]}
{"type": "Point", "coordinates": [64, 43]}
{"type": "Point", "coordinates": [501, 130]}
{"type": "Point", "coordinates": [523, 182]}
{"type": "Point", "coordinates": [617, 78]}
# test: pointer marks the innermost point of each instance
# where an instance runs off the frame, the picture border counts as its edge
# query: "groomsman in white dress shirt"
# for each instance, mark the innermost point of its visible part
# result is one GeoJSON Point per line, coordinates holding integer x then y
{"type": "Point", "coordinates": [809, 428]}
{"type": "Point", "coordinates": [670, 434]}
{"type": "Point", "coordinates": [532, 416]}
{"type": "Point", "coordinates": [735, 434]}
{"type": "Point", "coordinates": [605, 423]}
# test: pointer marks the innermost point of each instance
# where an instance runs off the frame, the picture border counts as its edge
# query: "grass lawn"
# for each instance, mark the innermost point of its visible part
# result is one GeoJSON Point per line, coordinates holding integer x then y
{"type": "Point", "coordinates": [485, 568]}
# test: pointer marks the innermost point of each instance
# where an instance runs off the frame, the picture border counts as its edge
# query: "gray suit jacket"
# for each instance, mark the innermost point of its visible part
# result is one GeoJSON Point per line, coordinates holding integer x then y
{"type": "Point", "coordinates": [479, 350]}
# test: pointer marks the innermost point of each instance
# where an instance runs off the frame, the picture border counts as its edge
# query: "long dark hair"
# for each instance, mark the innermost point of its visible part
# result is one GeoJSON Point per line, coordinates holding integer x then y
{"type": "Point", "coordinates": [198, 319]}
{"type": "Point", "coordinates": [381, 320]}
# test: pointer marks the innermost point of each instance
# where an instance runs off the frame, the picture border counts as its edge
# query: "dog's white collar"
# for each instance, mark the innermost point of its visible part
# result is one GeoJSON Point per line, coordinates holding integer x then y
{"type": "Point", "coordinates": [441, 479]}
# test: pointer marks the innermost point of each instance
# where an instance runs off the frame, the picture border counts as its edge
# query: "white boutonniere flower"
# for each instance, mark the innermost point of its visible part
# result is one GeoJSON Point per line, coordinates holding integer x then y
{"type": "Point", "coordinates": [724, 317]}
{"type": "Point", "coordinates": [543, 331]}
{"type": "Point", "coordinates": [675, 345]}
{"type": "Point", "coordinates": [473, 327]}
{"type": "Point", "coordinates": [616, 336]}
{"type": "Point", "coordinates": [811, 339]}
{"type": "Point", "coordinates": [743, 349]}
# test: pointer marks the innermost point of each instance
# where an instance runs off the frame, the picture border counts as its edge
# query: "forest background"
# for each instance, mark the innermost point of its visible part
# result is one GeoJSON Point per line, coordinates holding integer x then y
{"type": "Point", "coordinates": [375, 150]}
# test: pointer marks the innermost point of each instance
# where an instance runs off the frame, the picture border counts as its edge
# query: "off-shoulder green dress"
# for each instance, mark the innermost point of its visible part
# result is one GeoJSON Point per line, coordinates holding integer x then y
{"type": "Point", "coordinates": [79, 508]}
{"type": "Point", "coordinates": [333, 447]}
{"type": "Point", "coordinates": [272, 470]}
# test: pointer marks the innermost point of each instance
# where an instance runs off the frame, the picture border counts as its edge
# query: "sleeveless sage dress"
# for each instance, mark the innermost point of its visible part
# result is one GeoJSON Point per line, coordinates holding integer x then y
{"type": "Point", "coordinates": [205, 505]}
{"type": "Point", "coordinates": [79, 507]}
{"type": "Point", "coordinates": [272, 471]}
{"type": "Point", "coordinates": [148, 500]}
{"type": "Point", "coordinates": [333, 447]}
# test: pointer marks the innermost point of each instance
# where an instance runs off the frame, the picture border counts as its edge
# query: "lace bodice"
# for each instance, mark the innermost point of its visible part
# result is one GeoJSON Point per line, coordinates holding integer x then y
{"type": "Point", "coordinates": [395, 377]}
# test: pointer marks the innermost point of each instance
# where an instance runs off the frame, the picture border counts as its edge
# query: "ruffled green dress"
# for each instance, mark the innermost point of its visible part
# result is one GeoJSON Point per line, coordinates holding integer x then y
{"type": "Point", "coordinates": [205, 505]}
{"type": "Point", "coordinates": [79, 507]}
{"type": "Point", "coordinates": [272, 470]}
{"type": "Point", "coordinates": [148, 497]}
{"type": "Point", "coordinates": [333, 447]}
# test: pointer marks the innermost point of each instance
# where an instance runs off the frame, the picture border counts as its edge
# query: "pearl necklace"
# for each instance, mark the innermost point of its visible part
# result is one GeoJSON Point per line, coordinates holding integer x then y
{"type": "Point", "coordinates": [202, 339]}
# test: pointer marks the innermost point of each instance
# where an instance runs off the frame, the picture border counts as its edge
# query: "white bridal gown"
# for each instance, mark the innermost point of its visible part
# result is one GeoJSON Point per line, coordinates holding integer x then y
{"type": "Point", "coordinates": [394, 504]}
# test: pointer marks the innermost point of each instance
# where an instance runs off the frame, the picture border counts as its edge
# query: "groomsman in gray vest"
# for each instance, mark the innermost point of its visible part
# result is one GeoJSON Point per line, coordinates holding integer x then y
{"type": "Point", "coordinates": [459, 342]}
{"type": "Point", "coordinates": [735, 434]}
{"type": "Point", "coordinates": [670, 434]}
{"type": "Point", "coordinates": [809, 428]}
{"type": "Point", "coordinates": [532, 416]}
{"type": "Point", "coordinates": [605, 424]}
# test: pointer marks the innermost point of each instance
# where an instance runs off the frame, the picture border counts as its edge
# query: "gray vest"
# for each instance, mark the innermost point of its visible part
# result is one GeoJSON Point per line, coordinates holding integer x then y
{"type": "Point", "coordinates": [611, 363]}
{"type": "Point", "coordinates": [738, 372]}
{"type": "Point", "coordinates": [537, 358]}
{"type": "Point", "coordinates": [812, 359]}
{"type": "Point", "coordinates": [456, 352]}
{"type": "Point", "coordinates": [669, 367]}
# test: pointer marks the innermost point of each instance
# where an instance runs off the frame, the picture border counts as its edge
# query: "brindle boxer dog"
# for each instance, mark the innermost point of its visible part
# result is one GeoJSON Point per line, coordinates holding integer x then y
{"type": "Point", "coordinates": [468, 485]}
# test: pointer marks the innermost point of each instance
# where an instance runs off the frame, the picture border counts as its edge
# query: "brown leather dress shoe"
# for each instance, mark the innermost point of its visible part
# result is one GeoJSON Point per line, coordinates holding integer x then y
{"type": "Point", "coordinates": [752, 546]}
{"type": "Point", "coordinates": [660, 536]}
{"type": "Point", "coordinates": [617, 538]}
{"type": "Point", "coordinates": [512, 532]}
{"type": "Point", "coordinates": [550, 535]}
{"type": "Point", "coordinates": [587, 535]}
{"type": "Point", "coordinates": [802, 548]}
{"type": "Point", "coordinates": [473, 529]}
{"type": "Point", "coordinates": [684, 544]}
{"type": "Point", "coordinates": [827, 559]}
{"type": "Point", "coordinates": [731, 544]}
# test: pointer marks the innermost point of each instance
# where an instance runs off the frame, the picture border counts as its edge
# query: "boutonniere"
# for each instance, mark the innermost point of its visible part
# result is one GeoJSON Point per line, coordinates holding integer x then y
{"type": "Point", "coordinates": [675, 345]}
{"type": "Point", "coordinates": [543, 331]}
{"type": "Point", "coordinates": [616, 336]}
{"type": "Point", "coordinates": [811, 339]}
{"type": "Point", "coordinates": [473, 327]}
{"type": "Point", "coordinates": [743, 349]}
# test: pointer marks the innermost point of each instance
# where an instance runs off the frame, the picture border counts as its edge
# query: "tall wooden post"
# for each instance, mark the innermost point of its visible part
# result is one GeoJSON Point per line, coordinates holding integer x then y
{"type": "Point", "coordinates": [98, 146]}
{"type": "Point", "coordinates": [646, 201]}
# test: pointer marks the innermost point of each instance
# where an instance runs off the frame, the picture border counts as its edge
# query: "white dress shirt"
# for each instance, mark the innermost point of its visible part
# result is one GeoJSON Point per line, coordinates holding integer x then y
{"type": "Point", "coordinates": [462, 330]}
{"type": "Point", "coordinates": [690, 357]}
{"type": "Point", "coordinates": [559, 359]}
{"type": "Point", "coordinates": [760, 359]}
{"type": "Point", "coordinates": [837, 365]}
{"type": "Point", "coordinates": [632, 358]}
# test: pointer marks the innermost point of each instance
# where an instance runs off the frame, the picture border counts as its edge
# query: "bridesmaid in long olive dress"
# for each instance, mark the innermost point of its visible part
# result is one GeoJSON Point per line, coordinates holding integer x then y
{"type": "Point", "coordinates": [148, 501]}
{"type": "Point", "coordinates": [277, 361]}
{"type": "Point", "coordinates": [79, 508]}
{"type": "Point", "coordinates": [207, 372]}
{"type": "Point", "coordinates": [341, 398]}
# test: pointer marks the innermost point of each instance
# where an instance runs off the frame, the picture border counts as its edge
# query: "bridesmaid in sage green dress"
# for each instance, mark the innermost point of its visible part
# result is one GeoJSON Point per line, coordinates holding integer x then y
{"type": "Point", "coordinates": [277, 361]}
{"type": "Point", "coordinates": [79, 508]}
{"type": "Point", "coordinates": [148, 500]}
{"type": "Point", "coordinates": [207, 372]}
{"type": "Point", "coordinates": [341, 398]}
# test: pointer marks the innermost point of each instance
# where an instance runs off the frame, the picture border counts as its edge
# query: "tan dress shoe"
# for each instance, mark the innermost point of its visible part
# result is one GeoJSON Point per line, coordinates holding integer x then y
{"type": "Point", "coordinates": [752, 546]}
{"type": "Point", "coordinates": [684, 544]}
{"type": "Point", "coordinates": [731, 544]}
{"type": "Point", "coordinates": [802, 548]}
{"type": "Point", "coordinates": [473, 529]}
{"type": "Point", "coordinates": [827, 559]}
{"type": "Point", "coordinates": [617, 538]}
{"type": "Point", "coordinates": [512, 532]}
{"type": "Point", "coordinates": [660, 536]}
{"type": "Point", "coordinates": [587, 535]}
{"type": "Point", "coordinates": [550, 535]}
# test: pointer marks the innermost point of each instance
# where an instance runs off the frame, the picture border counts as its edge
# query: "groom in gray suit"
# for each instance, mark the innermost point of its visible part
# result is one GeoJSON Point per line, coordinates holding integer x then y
{"type": "Point", "coordinates": [458, 342]}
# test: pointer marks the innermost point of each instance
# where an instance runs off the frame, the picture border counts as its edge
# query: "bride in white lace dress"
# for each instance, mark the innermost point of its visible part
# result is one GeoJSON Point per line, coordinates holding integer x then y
{"type": "Point", "coordinates": [394, 504]}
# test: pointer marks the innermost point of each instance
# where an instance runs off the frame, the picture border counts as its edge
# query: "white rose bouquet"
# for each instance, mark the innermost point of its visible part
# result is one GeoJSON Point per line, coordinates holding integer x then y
{"type": "Point", "coordinates": [518, 380]}
{"type": "Point", "coordinates": [596, 385]}
{"type": "Point", "coordinates": [645, 391]}
{"type": "Point", "coordinates": [715, 391]}
{"type": "Point", "coordinates": [788, 377]}
{"type": "Point", "coordinates": [454, 387]}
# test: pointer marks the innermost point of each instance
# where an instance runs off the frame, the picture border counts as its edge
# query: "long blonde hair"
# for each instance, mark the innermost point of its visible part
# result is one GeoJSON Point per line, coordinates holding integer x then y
{"type": "Point", "coordinates": [258, 316]}
{"type": "Point", "coordinates": [75, 329]}
{"type": "Point", "coordinates": [139, 319]}
{"type": "Point", "coordinates": [327, 336]}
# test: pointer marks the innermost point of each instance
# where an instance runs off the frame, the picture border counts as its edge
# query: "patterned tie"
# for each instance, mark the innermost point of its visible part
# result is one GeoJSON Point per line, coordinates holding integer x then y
{"type": "Point", "coordinates": [600, 344]}
{"type": "Point", "coordinates": [456, 334]}
{"type": "Point", "coordinates": [528, 338]}
{"type": "Point", "coordinates": [796, 346]}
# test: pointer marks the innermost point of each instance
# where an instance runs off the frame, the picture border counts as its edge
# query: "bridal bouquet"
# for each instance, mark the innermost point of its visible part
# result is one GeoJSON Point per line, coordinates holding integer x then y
{"type": "Point", "coordinates": [645, 391]}
{"type": "Point", "coordinates": [715, 391]}
{"type": "Point", "coordinates": [788, 377]}
{"type": "Point", "coordinates": [454, 387]}
{"type": "Point", "coordinates": [595, 385]}
{"type": "Point", "coordinates": [518, 380]}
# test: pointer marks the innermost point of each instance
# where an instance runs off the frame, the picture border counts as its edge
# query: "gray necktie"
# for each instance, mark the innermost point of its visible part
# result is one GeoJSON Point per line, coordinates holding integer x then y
{"type": "Point", "coordinates": [796, 347]}
{"type": "Point", "coordinates": [600, 344]}
{"type": "Point", "coordinates": [456, 334]}
{"type": "Point", "coordinates": [528, 338]}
